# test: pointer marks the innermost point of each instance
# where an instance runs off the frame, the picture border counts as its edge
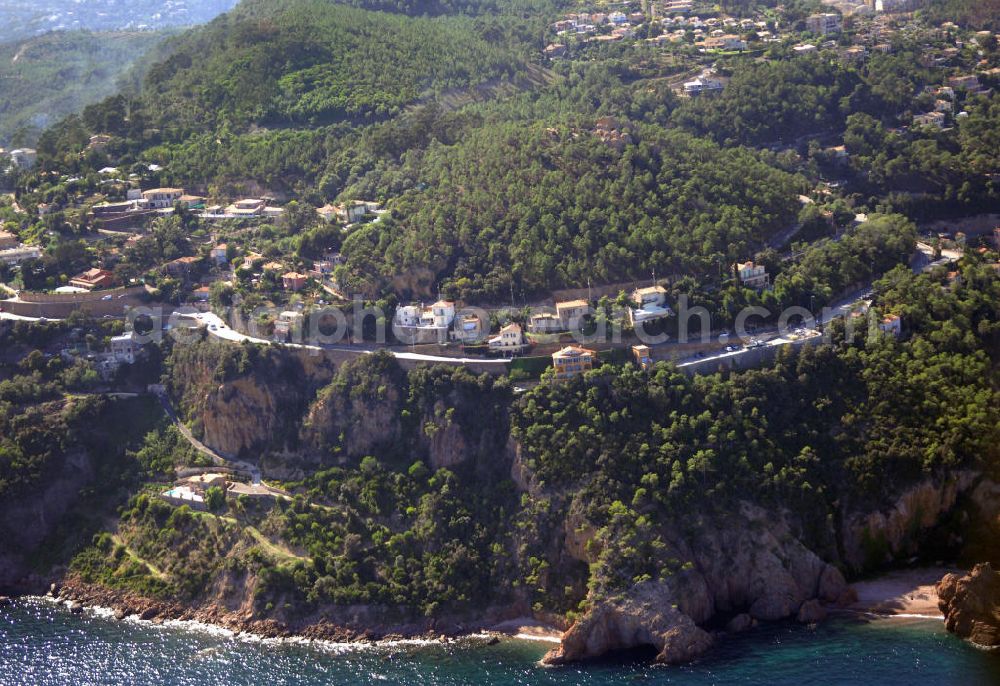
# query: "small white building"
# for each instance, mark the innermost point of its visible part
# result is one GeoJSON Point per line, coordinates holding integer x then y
{"type": "Point", "coordinates": [124, 349]}
{"type": "Point", "coordinates": [24, 158]}
{"type": "Point", "coordinates": [425, 324]}
{"type": "Point", "coordinates": [440, 315]}
{"type": "Point", "coordinates": [509, 340]}
{"type": "Point", "coordinates": [162, 198]}
{"type": "Point", "coordinates": [650, 304]}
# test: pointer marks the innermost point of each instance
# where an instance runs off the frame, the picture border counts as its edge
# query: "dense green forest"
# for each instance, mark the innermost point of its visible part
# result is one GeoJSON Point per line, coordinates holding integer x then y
{"type": "Point", "coordinates": [774, 102]}
{"type": "Point", "coordinates": [547, 207]}
{"type": "Point", "coordinates": [57, 74]}
{"type": "Point", "coordinates": [978, 14]}
{"type": "Point", "coordinates": [826, 430]}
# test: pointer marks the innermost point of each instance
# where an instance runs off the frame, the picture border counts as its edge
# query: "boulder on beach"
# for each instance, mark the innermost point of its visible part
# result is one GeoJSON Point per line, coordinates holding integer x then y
{"type": "Point", "coordinates": [76, 607]}
{"type": "Point", "coordinates": [811, 612]}
{"type": "Point", "coordinates": [971, 604]}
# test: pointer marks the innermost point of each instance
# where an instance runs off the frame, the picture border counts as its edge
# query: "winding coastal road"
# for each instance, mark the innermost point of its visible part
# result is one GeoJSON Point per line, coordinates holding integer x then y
{"type": "Point", "coordinates": [219, 329]}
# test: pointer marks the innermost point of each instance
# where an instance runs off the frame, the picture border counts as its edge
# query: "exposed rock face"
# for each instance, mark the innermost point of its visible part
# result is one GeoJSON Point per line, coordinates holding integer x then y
{"type": "Point", "coordinates": [358, 413]}
{"type": "Point", "coordinates": [238, 416]}
{"type": "Point", "coordinates": [811, 612]}
{"type": "Point", "coordinates": [752, 566]}
{"type": "Point", "coordinates": [755, 565]}
{"type": "Point", "coordinates": [971, 604]}
{"type": "Point", "coordinates": [644, 617]}
{"type": "Point", "coordinates": [258, 406]}
{"type": "Point", "coordinates": [871, 539]}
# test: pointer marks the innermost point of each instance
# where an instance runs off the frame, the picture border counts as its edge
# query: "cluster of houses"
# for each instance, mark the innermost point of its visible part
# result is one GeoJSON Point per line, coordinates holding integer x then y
{"type": "Point", "coordinates": [141, 204]}
{"type": "Point", "coordinates": [439, 322]}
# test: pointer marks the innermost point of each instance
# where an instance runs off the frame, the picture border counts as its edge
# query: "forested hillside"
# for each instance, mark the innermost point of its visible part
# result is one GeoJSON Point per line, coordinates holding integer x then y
{"type": "Point", "coordinates": [553, 206]}
{"type": "Point", "coordinates": [49, 77]}
{"type": "Point", "coordinates": [437, 493]}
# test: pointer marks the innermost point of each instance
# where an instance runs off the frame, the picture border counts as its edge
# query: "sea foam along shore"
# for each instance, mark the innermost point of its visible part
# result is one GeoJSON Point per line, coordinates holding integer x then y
{"type": "Point", "coordinates": [522, 628]}
{"type": "Point", "coordinates": [902, 594]}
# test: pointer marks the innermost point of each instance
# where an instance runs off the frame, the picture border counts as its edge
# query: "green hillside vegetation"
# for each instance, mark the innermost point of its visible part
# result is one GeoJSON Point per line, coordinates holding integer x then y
{"type": "Point", "coordinates": [774, 101]}
{"type": "Point", "coordinates": [49, 77]}
{"type": "Point", "coordinates": [628, 454]}
{"type": "Point", "coordinates": [549, 207]}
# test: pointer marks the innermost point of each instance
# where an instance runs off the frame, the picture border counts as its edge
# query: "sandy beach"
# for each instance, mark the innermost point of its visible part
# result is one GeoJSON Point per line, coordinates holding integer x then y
{"type": "Point", "coordinates": [901, 593]}
{"type": "Point", "coordinates": [530, 629]}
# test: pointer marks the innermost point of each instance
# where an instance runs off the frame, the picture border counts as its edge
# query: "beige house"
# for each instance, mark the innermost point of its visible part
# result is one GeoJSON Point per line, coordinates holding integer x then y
{"type": "Point", "coordinates": [572, 361]}
{"type": "Point", "coordinates": [753, 275]}
{"type": "Point", "coordinates": [570, 312]}
{"type": "Point", "coordinates": [162, 198]}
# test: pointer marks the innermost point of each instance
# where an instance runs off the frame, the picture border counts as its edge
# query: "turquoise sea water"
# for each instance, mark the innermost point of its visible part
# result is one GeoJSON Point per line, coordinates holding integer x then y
{"type": "Point", "coordinates": [42, 643]}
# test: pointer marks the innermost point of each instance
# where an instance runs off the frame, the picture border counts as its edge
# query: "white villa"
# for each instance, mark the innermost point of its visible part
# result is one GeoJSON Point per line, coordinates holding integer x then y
{"type": "Point", "coordinates": [509, 340]}
{"type": "Point", "coordinates": [649, 305]}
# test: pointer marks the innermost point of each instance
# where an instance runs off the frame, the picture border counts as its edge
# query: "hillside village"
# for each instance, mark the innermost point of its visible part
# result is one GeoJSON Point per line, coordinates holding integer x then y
{"type": "Point", "coordinates": [186, 246]}
{"type": "Point", "coordinates": [641, 323]}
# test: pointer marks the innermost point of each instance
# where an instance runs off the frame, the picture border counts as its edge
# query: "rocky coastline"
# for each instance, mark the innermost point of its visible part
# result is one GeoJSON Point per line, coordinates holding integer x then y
{"type": "Point", "coordinates": [971, 605]}
{"type": "Point", "coordinates": [79, 595]}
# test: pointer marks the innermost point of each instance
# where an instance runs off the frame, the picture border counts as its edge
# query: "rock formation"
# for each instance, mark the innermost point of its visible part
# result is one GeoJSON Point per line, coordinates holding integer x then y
{"type": "Point", "coordinates": [753, 566]}
{"type": "Point", "coordinates": [645, 616]}
{"type": "Point", "coordinates": [971, 604]}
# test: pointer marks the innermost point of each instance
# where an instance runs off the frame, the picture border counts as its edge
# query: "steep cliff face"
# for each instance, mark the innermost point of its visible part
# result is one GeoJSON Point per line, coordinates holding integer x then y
{"type": "Point", "coordinates": [296, 413]}
{"type": "Point", "coordinates": [750, 564]}
{"type": "Point", "coordinates": [373, 407]}
{"type": "Point", "coordinates": [752, 567]}
{"type": "Point", "coordinates": [971, 605]}
{"type": "Point", "coordinates": [359, 413]}
{"type": "Point", "coordinates": [245, 400]}
{"type": "Point", "coordinates": [870, 539]}
{"type": "Point", "coordinates": [240, 415]}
